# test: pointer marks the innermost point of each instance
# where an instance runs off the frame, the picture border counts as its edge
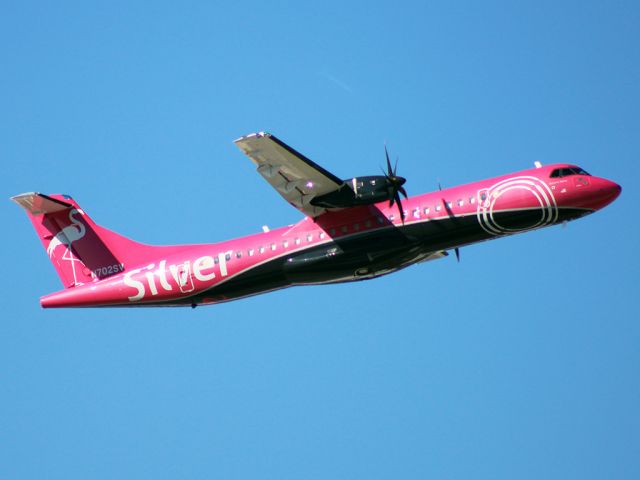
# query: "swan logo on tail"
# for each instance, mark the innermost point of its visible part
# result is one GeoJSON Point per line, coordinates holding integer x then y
{"type": "Point", "coordinates": [68, 234]}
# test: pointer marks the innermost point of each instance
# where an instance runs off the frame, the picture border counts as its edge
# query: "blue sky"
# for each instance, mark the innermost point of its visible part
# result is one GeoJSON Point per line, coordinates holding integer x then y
{"type": "Point", "coordinates": [521, 361]}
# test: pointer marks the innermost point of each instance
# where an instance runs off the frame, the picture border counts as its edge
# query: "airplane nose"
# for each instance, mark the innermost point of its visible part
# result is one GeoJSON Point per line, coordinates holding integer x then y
{"type": "Point", "coordinates": [599, 193]}
{"type": "Point", "coordinates": [608, 192]}
{"type": "Point", "coordinates": [613, 189]}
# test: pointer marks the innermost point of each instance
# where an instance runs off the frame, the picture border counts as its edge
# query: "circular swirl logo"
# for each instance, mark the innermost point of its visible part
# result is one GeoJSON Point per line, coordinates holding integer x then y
{"type": "Point", "coordinates": [515, 205]}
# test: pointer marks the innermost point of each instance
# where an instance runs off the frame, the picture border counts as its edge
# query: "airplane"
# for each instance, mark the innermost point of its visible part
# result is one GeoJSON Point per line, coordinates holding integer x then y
{"type": "Point", "coordinates": [354, 229]}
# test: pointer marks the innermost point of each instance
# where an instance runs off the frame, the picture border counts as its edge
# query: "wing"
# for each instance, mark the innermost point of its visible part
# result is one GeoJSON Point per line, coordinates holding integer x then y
{"type": "Point", "coordinates": [293, 175]}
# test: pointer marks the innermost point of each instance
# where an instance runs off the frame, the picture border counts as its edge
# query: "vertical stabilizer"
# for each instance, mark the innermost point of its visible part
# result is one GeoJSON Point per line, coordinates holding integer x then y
{"type": "Point", "coordinates": [71, 239]}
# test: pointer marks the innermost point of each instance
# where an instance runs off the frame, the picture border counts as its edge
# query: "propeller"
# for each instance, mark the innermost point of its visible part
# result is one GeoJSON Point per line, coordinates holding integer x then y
{"type": "Point", "coordinates": [394, 185]}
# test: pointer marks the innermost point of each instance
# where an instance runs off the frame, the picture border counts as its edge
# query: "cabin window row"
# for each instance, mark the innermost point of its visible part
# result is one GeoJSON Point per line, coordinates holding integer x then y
{"type": "Point", "coordinates": [356, 227]}
{"type": "Point", "coordinates": [309, 237]}
{"type": "Point", "coordinates": [418, 212]}
{"type": "Point", "coordinates": [274, 246]}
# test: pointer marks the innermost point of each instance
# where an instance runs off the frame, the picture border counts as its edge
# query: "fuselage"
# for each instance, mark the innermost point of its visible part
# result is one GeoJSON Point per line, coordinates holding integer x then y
{"type": "Point", "coordinates": [347, 245]}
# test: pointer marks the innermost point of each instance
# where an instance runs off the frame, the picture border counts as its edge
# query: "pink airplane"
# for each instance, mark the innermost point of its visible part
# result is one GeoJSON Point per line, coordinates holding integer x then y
{"type": "Point", "coordinates": [353, 229]}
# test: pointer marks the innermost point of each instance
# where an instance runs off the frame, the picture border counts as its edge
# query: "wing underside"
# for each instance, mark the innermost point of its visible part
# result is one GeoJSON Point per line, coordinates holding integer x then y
{"type": "Point", "coordinates": [296, 178]}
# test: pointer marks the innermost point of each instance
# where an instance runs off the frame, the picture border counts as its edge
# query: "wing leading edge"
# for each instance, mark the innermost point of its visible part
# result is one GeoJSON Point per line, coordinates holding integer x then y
{"type": "Point", "coordinates": [296, 178]}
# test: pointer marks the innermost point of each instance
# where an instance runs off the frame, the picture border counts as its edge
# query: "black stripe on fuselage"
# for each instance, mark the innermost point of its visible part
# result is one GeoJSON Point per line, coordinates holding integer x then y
{"type": "Point", "coordinates": [367, 254]}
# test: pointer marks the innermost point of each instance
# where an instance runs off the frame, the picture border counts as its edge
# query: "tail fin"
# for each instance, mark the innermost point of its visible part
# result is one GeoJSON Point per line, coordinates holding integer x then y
{"type": "Point", "coordinates": [81, 251]}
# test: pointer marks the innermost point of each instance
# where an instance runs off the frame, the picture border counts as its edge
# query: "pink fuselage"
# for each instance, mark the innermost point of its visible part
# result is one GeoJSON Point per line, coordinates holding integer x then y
{"type": "Point", "coordinates": [344, 245]}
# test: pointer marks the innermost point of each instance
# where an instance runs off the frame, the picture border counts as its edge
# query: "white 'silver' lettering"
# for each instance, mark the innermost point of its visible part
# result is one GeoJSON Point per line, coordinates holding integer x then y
{"type": "Point", "coordinates": [130, 282]}
{"type": "Point", "coordinates": [203, 263]}
{"type": "Point", "coordinates": [152, 280]}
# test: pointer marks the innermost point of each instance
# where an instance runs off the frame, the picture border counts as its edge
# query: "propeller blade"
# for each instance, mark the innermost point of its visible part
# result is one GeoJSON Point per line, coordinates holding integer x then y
{"type": "Point", "coordinates": [395, 167]}
{"type": "Point", "coordinates": [386, 153]}
{"type": "Point", "coordinates": [396, 197]}
{"type": "Point", "coordinates": [403, 192]}
{"type": "Point", "coordinates": [457, 251]}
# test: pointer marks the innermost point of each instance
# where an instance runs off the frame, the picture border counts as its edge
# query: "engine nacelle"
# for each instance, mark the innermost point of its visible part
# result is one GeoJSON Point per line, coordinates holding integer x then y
{"type": "Point", "coordinates": [356, 191]}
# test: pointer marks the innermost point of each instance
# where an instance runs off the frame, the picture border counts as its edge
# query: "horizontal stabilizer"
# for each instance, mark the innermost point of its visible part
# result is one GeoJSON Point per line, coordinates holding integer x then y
{"type": "Point", "coordinates": [38, 203]}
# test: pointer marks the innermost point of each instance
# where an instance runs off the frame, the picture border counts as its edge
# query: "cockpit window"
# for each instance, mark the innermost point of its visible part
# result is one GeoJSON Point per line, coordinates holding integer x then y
{"type": "Point", "coordinates": [565, 172]}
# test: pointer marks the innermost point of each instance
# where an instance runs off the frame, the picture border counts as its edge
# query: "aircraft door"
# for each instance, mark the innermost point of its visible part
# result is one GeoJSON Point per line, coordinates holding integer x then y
{"type": "Point", "coordinates": [185, 279]}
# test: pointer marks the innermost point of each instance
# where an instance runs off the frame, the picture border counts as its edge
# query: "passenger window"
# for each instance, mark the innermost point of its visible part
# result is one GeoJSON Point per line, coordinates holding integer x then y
{"type": "Point", "coordinates": [416, 213]}
{"type": "Point", "coordinates": [227, 256]}
{"type": "Point", "coordinates": [391, 217]}
{"type": "Point", "coordinates": [483, 196]}
{"type": "Point", "coordinates": [250, 252]}
{"type": "Point", "coordinates": [322, 235]}
{"type": "Point", "coordinates": [273, 246]}
{"type": "Point", "coordinates": [332, 232]}
{"type": "Point", "coordinates": [285, 243]}
{"type": "Point", "coordinates": [261, 249]}
{"type": "Point", "coordinates": [356, 226]}
{"type": "Point", "coordinates": [460, 202]}
{"type": "Point", "coordinates": [380, 220]}
{"type": "Point", "coordinates": [367, 224]}
{"type": "Point", "coordinates": [238, 254]}
{"type": "Point", "coordinates": [438, 208]}
{"type": "Point", "coordinates": [472, 200]}
{"type": "Point", "coordinates": [297, 241]}
{"type": "Point", "coordinates": [309, 237]}
{"type": "Point", "coordinates": [216, 260]}
{"type": "Point", "coordinates": [344, 229]}
{"type": "Point", "coordinates": [426, 210]}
